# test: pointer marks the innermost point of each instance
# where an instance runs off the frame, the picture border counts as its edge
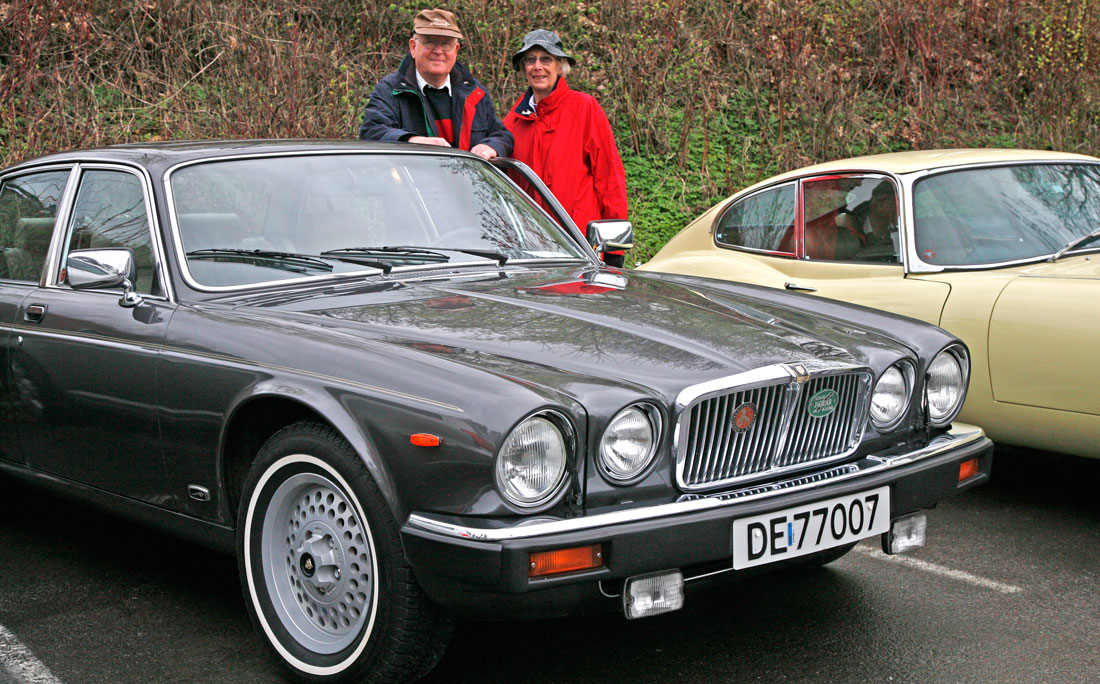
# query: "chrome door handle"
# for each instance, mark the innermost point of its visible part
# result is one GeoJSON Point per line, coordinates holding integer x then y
{"type": "Point", "coordinates": [35, 313]}
{"type": "Point", "coordinates": [799, 288]}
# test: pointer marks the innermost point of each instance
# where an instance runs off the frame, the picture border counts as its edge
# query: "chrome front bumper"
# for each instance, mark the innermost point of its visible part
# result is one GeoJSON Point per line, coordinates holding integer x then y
{"type": "Point", "coordinates": [960, 435]}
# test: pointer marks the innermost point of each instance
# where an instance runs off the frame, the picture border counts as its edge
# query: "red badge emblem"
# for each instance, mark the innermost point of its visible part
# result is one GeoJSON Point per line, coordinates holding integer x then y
{"type": "Point", "coordinates": [744, 416]}
{"type": "Point", "coordinates": [929, 254]}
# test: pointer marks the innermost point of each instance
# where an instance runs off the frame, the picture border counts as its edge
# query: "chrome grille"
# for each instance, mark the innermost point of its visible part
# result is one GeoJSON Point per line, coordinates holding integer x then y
{"type": "Point", "coordinates": [718, 452]}
{"type": "Point", "coordinates": [812, 439]}
{"type": "Point", "coordinates": [785, 435]}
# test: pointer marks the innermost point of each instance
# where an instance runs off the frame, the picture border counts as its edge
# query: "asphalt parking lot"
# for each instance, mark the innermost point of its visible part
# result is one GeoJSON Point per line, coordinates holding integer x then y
{"type": "Point", "coordinates": [1007, 590]}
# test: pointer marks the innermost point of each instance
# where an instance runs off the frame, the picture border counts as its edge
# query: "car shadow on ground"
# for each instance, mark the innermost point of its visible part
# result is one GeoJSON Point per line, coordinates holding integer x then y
{"type": "Point", "coordinates": [1056, 480]}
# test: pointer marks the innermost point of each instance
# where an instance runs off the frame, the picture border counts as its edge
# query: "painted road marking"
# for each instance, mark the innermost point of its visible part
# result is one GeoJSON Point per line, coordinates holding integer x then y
{"type": "Point", "coordinates": [20, 663]}
{"type": "Point", "coordinates": [941, 571]}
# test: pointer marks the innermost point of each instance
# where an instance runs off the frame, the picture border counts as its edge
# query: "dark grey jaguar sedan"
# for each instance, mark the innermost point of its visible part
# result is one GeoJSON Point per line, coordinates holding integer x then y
{"type": "Point", "coordinates": [402, 392]}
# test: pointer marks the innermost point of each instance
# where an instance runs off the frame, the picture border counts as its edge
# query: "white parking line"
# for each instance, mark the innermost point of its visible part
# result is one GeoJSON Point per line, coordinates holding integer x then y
{"type": "Point", "coordinates": [941, 571]}
{"type": "Point", "coordinates": [20, 663]}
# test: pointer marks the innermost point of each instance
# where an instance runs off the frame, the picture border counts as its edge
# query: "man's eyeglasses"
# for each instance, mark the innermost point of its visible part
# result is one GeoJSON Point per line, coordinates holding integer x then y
{"type": "Point", "coordinates": [444, 44]}
{"type": "Point", "coordinates": [545, 60]}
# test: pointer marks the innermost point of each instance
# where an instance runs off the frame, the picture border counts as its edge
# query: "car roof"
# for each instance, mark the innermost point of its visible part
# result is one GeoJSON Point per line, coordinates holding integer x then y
{"type": "Point", "coordinates": [165, 154]}
{"type": "Point", "coordinates": [908, 162]}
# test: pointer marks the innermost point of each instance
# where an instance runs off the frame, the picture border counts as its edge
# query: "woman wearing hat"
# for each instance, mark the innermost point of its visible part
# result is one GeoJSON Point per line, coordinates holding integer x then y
{"type": "Point", "coordinates": [565, 137]}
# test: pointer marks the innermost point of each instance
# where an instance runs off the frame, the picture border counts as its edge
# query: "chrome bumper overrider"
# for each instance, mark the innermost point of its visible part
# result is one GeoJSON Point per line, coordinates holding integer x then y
{"type": "Point", "coordinates": [493, 531]}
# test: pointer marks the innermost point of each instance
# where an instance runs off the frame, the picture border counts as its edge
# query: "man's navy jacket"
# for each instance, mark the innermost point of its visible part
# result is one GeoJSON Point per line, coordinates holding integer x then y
{"type": "Point", "coordinates": [397, 110]}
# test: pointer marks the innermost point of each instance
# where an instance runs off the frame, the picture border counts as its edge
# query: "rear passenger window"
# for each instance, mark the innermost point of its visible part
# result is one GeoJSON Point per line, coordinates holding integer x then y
{"type": "Point", "coordinates": [28, 209]}
{"type": "Point", "coordinates": [764, 221]}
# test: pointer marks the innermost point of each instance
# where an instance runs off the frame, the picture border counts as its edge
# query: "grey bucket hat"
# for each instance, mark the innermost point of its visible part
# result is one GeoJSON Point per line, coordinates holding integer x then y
{"type": "Point", "coordinates": [547, 40]}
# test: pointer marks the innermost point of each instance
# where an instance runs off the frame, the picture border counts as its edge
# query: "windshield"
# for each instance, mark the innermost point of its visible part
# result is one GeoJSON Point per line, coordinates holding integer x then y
{"type": "Point", "coordinates": [1003, 214]}
{"type": "Point", "coordinates": [249, 221]}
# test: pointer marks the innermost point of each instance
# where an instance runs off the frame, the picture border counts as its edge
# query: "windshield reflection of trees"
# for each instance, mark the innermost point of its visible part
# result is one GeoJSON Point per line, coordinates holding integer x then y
{"type": "Point", "coordinates": [1059, 202]}
{"type": "Point", "coordinates": [506, 220]}
{"type": "Point", "coordinates": [1013, 212]}
{"type": "Point", "coordinates": [369, 200]}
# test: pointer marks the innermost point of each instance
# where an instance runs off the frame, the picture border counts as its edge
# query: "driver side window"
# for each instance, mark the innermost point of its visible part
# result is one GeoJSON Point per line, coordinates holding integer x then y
{"type": "Point", "coordinates": [110, 212]}
{"type": "Point", "coordinates": [851, 218]}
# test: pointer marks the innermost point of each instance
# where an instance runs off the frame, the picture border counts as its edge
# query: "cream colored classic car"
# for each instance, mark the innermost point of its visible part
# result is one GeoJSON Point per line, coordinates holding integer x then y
{"type": "Point", "coordinates": [1000, 247]}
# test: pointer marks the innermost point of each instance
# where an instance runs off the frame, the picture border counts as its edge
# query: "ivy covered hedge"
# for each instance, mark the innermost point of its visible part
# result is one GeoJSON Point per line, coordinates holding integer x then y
{"type": "Point", "coordinates": [706, 96]}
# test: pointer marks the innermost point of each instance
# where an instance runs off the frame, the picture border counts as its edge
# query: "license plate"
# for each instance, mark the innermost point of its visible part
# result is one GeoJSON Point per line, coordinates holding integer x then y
{"type": "Point", "coordinates": [814, 527]}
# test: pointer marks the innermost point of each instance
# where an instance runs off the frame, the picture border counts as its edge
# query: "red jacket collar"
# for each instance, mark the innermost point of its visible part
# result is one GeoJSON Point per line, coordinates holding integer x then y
{"type": "Point", "coordinates": [546, 104]}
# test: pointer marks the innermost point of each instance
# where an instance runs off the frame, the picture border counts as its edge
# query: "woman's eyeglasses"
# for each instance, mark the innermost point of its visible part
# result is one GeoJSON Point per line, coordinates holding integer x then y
{"type": "Point", "coordinates": [545, 60]}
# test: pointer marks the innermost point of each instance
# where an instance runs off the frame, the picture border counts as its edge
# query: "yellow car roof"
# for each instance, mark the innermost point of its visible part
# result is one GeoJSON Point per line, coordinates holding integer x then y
{"type": "Point", "coordinates": [908, 162]}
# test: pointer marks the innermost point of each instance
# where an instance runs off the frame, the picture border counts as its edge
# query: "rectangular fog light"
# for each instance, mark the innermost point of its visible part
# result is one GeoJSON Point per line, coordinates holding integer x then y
{"type": "Point", "coordinates": [905, 534]}
{"type": "Point", "coordinates": [653, 594]}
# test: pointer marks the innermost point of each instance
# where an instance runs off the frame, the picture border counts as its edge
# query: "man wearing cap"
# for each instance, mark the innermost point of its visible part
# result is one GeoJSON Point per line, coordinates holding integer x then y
{"type": "Point", "coordinates": [565, 137]}
{"type": "Point", "coordinates": [434, 100]}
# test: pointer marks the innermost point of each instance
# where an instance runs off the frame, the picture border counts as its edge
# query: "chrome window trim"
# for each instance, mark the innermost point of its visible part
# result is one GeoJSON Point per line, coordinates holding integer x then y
{"type": "Point", "coordinates": [900, 194]}
{"type": "Point", "coordinates": [152, 223]}
{"type": "Point", "coordinates": [746, 196]}
{"type": "Point", "coordinates": [914, 264]}
{"type": "Point", "coordinates": [958, 436]}
{"type": "Point", "coordinates": [181, 258]}
{"type": "Point", "coordinates": [62, 210]}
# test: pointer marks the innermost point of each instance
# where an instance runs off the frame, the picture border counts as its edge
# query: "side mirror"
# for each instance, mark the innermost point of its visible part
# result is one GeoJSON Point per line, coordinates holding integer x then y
{"type": "Point", "coordinates": [103, 269]}
{"type": "Point", "coordinates": [610, 239]}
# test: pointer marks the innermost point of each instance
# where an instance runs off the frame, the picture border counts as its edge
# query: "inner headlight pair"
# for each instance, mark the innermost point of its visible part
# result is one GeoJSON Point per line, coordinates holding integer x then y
{"type": "Point", "coordinates": [891, 395]}
{"type": "Point", "coordinates": [534, 459]}
{"type": "Point", "coordinates": [944, 389]}
{"type": "Point", "coordinates": [629, 443]}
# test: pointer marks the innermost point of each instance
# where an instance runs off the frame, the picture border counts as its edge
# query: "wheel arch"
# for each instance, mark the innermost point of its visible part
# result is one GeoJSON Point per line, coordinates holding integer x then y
{"type": "Point", "coordinates": [258, 417]}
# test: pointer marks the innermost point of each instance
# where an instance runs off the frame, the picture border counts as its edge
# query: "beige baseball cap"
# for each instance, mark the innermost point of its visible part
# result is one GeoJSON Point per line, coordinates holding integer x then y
{"type": "Point", "coordinates": [436, 22]}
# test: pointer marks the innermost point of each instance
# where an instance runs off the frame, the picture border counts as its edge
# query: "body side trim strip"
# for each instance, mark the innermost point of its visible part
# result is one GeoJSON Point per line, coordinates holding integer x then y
{"type": "Point", "coordinates": [156, 347]}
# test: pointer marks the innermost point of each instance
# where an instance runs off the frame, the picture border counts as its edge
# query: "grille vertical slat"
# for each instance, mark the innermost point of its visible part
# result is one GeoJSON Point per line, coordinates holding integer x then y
{"type": "Point", "coordinates": [712, 431]}
{"type": "Point", "coordinates": [768, 450]}
{"type": "Point", "coordinates": [761, 451]}
{"type": "Point", "coordinates": [727, 436]}
{"type": "Point", "coordinates": [694, 443]}
{"type": "Point", "coordinates": [783, 435]}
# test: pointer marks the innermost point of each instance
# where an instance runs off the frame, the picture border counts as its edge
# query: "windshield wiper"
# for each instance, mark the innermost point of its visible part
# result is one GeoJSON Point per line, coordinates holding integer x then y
{"type": "Point", "coordinates": [411, 253]}
{"type": "Point", "coordinates": [389, 253]}
{"type": "Point", "coordinates": [285, 260]}
{"type": "Point", "coordinates": [487, 253]}
{"type": "Point", "coordinates": [1074, 244]}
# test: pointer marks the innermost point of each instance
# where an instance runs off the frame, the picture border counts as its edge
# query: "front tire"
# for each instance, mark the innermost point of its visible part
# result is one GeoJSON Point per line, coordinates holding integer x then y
{"type": "Point", "coordinates": [321, 565]}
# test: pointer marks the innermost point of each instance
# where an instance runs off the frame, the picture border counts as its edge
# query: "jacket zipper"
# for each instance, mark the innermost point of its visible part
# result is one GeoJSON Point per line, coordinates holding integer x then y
{"type": "Point", "coordinates": [423, 110]}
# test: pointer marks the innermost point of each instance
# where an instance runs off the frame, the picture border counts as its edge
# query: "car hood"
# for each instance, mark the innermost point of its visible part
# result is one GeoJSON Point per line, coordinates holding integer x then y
{"type": "Point", "coordinates": [638, 328]}
{"type": "Point", "coordinates": [1066, 267]}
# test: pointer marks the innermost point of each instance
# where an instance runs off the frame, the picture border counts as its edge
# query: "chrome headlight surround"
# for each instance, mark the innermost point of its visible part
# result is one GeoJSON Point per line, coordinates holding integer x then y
{"type": "Point", "coordinates": [533, 462]}
{"type": "Point", "coordinates": [891, 396]}
{"type": "Point", "coordinates": [945, 385]}
{"type": "Point", "coordinates": [628, 446]}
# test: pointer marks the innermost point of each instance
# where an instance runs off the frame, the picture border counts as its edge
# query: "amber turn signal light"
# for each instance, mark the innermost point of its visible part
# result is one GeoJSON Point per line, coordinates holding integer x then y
{"type": "Point", "coordinates": [565, 560]}
{"type": "Point", "coordinates": [425, 440]}
{"type": "Point", "coordinates": [968, 469]}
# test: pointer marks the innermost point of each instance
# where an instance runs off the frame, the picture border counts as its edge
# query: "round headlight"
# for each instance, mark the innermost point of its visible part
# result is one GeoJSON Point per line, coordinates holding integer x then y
{"type": "Point", "coordinates": [891, 395]}
{"type": "Point", "coordinates": [532, 462]}
{"type": "Point", "coordinates": [629, 443]}
{"type": "Point", "coordinates": [945, 388]}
